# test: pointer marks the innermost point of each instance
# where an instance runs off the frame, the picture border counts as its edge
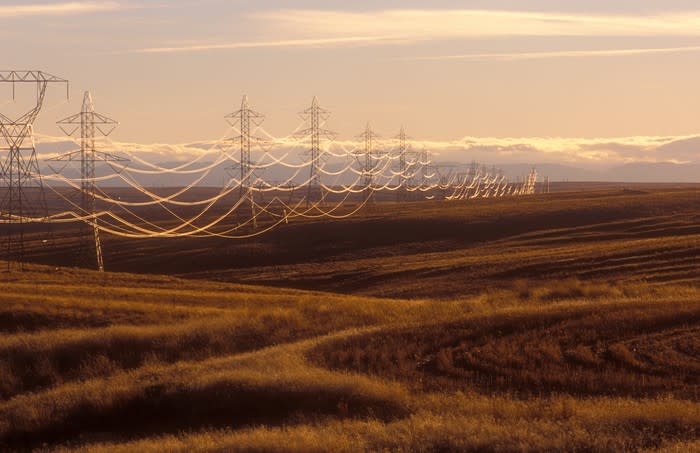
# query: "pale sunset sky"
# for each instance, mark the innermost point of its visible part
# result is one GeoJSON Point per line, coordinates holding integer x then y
{"type": "Point", "coordinates": [594, 81]}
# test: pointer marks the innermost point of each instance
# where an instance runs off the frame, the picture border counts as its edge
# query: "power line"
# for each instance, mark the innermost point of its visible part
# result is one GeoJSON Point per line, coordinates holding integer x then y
{"type": "Point", "coordinates": [376, 173]}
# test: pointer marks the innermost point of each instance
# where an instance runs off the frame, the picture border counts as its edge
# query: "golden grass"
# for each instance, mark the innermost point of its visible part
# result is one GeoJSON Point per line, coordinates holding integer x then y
{"type": "Point", "coordinates": [462, 422]}
{"type": "Point", "coordinates": [592, 345]}
{"type": "Point", "coordinates": [163, 364]}
{"type": "Point", "coordinates": [131, 329]}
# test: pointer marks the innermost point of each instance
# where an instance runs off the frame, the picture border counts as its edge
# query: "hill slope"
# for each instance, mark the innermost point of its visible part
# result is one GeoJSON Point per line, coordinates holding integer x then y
{"type": "Point", "coordinates": [117, 363]}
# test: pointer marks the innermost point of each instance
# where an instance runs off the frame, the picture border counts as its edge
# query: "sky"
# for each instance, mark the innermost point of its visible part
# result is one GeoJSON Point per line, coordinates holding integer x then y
{"type": "Point", "coordinates": [592, 82]}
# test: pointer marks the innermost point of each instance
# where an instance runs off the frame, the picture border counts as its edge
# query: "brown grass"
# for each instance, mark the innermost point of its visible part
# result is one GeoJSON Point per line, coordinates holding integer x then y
{"type": "Point", "coordinates": [589, 346]}
{"type": "Point", "coordinates": [528, 329]}
{"type": "Point", "coordinates": [559, 368]}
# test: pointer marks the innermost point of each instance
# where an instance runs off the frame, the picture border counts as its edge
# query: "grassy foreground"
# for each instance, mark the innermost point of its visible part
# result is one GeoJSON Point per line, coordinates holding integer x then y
{"type": "Point", "coordinates": [127, 363]}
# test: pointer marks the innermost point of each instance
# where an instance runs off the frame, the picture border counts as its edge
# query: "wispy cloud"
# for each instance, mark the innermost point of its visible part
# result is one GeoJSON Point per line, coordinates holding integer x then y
{"type": "Point", "coordinates": [313, 42]}
{"type": "Point", "coordinates": [514, 56]}
{"type": "Point", "coordinates": [465, 23]}
{"type": "Point", "coordinates": [51, 9]}
{"type": "Point", "coordinates": [298, 28]}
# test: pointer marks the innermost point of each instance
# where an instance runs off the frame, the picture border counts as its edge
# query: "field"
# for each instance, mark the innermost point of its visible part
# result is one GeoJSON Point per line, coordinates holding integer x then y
{"type": "Point", "coordinates": [568, 322]}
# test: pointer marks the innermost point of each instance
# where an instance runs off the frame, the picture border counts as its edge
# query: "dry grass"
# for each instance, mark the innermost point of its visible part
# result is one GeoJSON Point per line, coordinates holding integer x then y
{"type": "Point", "coordinates": [132, 329]}
{"type": "Point", "coordinates": [221, 373]}
{"type": "Point", "coordinates": [587, 345]}
{"type": "Point", "coordinates": [541, 339]}
{"type": "Point", "coordinates": [460, 423]}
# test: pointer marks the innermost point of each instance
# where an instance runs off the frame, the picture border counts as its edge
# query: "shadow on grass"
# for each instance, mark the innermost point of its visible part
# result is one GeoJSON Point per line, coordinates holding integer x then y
{"type": "Point", "coordinates": [164, 409]}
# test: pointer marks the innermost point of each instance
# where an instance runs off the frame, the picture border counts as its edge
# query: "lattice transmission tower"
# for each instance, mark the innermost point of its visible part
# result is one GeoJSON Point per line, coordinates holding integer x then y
{"type": "Point", "coordinates": [369, 153]}
{"type": "Point", "coordinates": [473, 170]}
{"type": "Point", "coordinates": [532, 181]}
{"type": "Point", "coordinates": [246, 119]}
{"type": "Point", "coordinates": [424, 162]}
{"type": "Point", "coordinates": [86, 125]}
{"type": "Point", "coordinates": [403, 165]}
{"type": "Point", "coordinates": [316, 116]}
{"type": "Point", "coordinates": [23, 200]}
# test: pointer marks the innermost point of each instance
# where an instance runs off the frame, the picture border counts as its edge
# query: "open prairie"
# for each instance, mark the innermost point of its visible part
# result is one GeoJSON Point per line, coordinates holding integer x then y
{"type": "Point", "coordinates": [567, 323]}
{"type": "Point", "coordinates": [590, 231]}
{"type": "Point", "coordinates": [303, 226]}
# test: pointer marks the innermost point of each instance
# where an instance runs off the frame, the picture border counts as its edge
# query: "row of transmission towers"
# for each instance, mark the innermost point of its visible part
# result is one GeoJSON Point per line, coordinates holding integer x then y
{"type": "Point", "coordinates": [23, 200]}
{"type": "Point", "coordinates": [246, 120]}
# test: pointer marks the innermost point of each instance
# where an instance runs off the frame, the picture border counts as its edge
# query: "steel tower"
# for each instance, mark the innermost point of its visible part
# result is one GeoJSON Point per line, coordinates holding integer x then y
{"type": "Point", "coordinates": [315, 115]}
{"type": "Point", "coordinates": [23, 200]}
{"type": "Point", "coordinates": [88, 123]}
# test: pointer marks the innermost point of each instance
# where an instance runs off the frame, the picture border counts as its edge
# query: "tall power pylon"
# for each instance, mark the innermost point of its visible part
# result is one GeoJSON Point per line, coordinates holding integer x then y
{"type": "Point", "coordinates": [403, 167]}
{"type": "Point", "coordinates": [532, 181]}
{"type": "Point", "coordinates": [245, 119]}
{"type": "Point", "coordinates": [473, 170]}
{"type": "Point", "coordinates": [19, 173]}
{"type": "Point", "coordinates": [315, 115]}
{"type": "Point", "coordinates": [88, 123]}
{"type": "Point", "coordinates": [369, 137]}
{"type": "Point", "coordinates": [424, 162]}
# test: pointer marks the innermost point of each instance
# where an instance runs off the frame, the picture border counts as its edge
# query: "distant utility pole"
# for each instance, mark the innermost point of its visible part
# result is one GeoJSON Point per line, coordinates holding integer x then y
{"type": "Point", "coordinates": [18, 173]}
{"type": "Point", "coordinates": [315, 115]}
{"type": "Point", "coordinates": [88, 123]}
{"type": "Point", "coordinates": [245, 119]}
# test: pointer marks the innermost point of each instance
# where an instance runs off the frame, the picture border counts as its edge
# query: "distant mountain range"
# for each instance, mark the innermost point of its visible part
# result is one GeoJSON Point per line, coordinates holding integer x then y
{"type": "Point", "coordinates": [635, 172]}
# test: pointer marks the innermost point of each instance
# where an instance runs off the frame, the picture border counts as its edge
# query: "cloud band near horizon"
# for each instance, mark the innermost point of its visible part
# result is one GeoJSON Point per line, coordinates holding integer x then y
{"type": "Point", "coordinates": [584, 152]}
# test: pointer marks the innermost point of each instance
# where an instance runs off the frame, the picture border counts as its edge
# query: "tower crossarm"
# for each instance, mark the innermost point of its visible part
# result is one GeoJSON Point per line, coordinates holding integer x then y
{"type": "Point", "coordinates": [15, 131]}
{"type": "Point", "coordinates": [29, 77]}
{"type": "Point", "coordinates": [99, 157]}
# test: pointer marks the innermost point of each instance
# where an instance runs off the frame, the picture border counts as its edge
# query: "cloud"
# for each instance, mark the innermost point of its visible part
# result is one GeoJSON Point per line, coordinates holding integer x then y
{"type": "Point", "coordinates": [49, 146]}
{"type": "Point", "coordinates": [584, 152]}
{"type": "Point", "coordinates": [299, 28]}
{"type": "Point", "coordinates": [418, 25]}
{"type": "Point", "coordinates": [313, 42]}
{"type": "Point", "coordinates": [53, 9]}
{"type": "Point", "coordinates": [516, 56]}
